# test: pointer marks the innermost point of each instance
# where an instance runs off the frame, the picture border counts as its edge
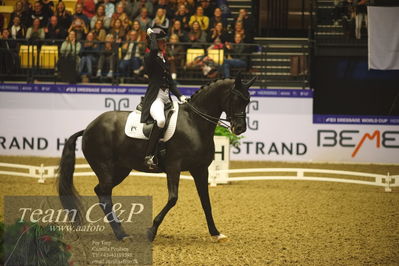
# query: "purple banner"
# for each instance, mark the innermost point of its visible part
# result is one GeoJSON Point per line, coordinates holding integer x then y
{"type": "Point", "coordinates": [135, 89]}
{"type": "Point", "coordinates": [356, 120]}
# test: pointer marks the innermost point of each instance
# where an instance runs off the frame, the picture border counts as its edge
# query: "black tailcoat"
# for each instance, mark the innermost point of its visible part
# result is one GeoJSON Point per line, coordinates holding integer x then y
{"type": "Point", "coordinates": [159, 77]}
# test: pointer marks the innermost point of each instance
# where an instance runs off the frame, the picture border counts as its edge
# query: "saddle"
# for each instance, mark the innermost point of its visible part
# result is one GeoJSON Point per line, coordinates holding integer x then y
{"type": "Point", "coordinates": [135, 129]}
{"type": "Point", "coordinates": [149, 124]}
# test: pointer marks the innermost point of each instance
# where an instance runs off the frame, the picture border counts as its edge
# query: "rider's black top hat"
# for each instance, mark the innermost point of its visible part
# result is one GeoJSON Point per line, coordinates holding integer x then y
{"type": "Point", "coordinates": [160, 34]}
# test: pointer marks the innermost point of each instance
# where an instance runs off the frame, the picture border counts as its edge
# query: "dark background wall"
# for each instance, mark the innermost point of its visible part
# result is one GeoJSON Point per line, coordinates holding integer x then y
{"type": "Point", "coordinates": [344, 85]}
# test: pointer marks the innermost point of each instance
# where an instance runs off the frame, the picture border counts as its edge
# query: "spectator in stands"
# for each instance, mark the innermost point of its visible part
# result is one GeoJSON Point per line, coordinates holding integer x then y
{"type": "Point", "coordinates": [88, 55]}
{"type": "Point", "coordinates": [80, 29]}
{"type": "Point", "coordinates": [340, 10]}
{"type": "Point", "coordinates": [139, 5]}
{"type": "Point", "coordinates": [144, 19]}
{"type": "Point", "coordinates": [19, 12]}
{"type": "Point", "coordinates": [127, 6]}
{"type": "Point", "coordinates": [208, 7]}
{"type": "Point", "coordinates": [196, 36]}
{"type": "Point", "coordinates": [120, 14]}
{"type": "Point", "coordinates": [218, 32]}
{"type": "Point", "coordinates": [166, 7]}
{"type": "Point", "coordinates": [100, 15]}
{"type": "Point", "coordinates": [27, 7]}
{"type": "Point", "coordinates": [127, 24]}
{"type": "Point", "coordinates": [216, 18]}
{"type": "Point", "coordinates": [79, 14]}
{"type": "Point", "coordinates": [89, 8]}
{"type": "Point", "coordinates": [71, 46]}
{"type": "Point", "coordinates": [38, 13]}
{"type": "Point", "coordinates": [48, 7]}
{"type": "Point", "coordinates": [141, 34]}
{"type": "Point", "coordinates": [175, 54]}
{"type": "Point", "coordinates": [132, 61]}
{"type": "Point", "coordinates": [348, 20]}
{"type": "Point", "coordinates": [109, 8]}
{"type": "Point", "coordinates": [2, 21]}
{"type": "Point", "coordinates": [117, 31]}
{"type": "Point", "coordinates": [239, 29]}
{"type": "Point", "coordinates": [174, 4]}
{"type": "Point", "coordinates": [191, 5]}
{"type": "Point", "coordinates": [9, 60]}
{"type": "Point", "coordinates": [200, 18]}
{"type": "Point", "coordinates": [99, 31]}
{"type": "Point", "coordinates": [361, 14]}
{"type": "Point", "coordinates": [54, 30]}
{"type": "Point", "coordinates": [64, 16]}
{"type": "Point", "coordinates": [183, 16]}
{"type": "Point", "coordinates": [17, 30]}
{"type": "Point", "coordinates": [69, 60]}
{"type": "Point", "coordinates": [248, 24]}
{"type": "Point", "coordinates": [235, 56]}
{"type": "Point", "coordinates": [107, 57]}
{"type": "Point", "coordinates": [160, 20]}
{"type": "Point", "coordinates": [36, 32]}
{"type": "Point", "coordinates": [177, 30]}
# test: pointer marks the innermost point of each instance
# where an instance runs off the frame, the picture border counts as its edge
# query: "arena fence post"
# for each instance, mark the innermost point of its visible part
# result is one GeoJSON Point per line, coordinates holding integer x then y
{"type": "Point", "coordinates": [300, 174]}
{"type": "Point", "coordinates": [41, 173]}
{"type": "Point", "coordinates": [388, 183]}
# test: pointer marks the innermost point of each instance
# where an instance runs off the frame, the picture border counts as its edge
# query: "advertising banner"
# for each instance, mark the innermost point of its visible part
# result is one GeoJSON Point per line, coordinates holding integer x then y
{"type": "Point", "coordinates": [49, 234]}
{"type": "Point", "coordinates": [37, 119]}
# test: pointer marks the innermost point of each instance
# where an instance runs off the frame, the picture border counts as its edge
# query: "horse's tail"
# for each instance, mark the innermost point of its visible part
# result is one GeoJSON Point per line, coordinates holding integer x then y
{"type": "Point", "coordinates": [68, 195]}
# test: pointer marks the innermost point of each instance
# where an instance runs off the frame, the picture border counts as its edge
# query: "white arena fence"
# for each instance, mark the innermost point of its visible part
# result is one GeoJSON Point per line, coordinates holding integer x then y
{"type": "Point", "coordinates": [223, 176]}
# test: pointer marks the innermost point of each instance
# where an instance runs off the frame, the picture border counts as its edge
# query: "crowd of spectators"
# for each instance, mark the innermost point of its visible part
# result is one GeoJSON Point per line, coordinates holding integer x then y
{"type": "Point", "coordinates": [351, 14]}
{"type": "Point", "coordinates": [108, 36]}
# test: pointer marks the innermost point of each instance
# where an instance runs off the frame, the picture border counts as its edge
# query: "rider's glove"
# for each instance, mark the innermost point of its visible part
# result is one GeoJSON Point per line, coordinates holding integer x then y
{"type": "Point", "coordinates": [183, 99]}
{"type": "Point", "coordinates": [149, 31]}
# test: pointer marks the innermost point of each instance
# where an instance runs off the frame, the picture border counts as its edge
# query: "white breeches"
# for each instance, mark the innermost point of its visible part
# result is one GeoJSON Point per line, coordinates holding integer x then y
{"type": "Point", "coordinates": [157, 107]}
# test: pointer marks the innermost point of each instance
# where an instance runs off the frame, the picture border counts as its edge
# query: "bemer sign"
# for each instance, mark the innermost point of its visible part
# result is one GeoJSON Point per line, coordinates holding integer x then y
{"type": "Point", "coordinates": [37, 119]}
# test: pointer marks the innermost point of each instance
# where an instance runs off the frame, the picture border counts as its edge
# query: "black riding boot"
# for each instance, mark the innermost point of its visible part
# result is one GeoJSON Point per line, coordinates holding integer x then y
{"type": "Point", "coordinates": [152, 144]}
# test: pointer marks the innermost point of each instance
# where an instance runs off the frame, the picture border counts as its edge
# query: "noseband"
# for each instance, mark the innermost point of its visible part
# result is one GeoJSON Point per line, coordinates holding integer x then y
{"type": "Point", "coordinates": [220, 121]}
{"type": "Point", "coordinates": [242, 114]}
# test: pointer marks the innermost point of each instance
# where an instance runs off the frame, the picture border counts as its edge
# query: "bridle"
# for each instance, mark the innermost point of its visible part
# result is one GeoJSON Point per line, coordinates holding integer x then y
{"type": "Point", "coordinates": [221, 121]}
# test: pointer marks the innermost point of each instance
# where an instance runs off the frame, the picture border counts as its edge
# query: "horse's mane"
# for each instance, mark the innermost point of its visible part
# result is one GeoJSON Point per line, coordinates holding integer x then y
{"type": "Point", "coordinates": [211, 84]}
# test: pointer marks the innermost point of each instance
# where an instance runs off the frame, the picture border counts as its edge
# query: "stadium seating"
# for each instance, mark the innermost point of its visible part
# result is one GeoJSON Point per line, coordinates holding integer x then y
{"type": "Point", "coordinates": [6, 11]}
{"type": "Point", "coordinates": [28, 55]}
{"type": "Point", "coordinates": [217, 55]}
{"type": "Point", "coordinates": [48, 56]}
{"type": "Point", "coordinates": [192, 54]}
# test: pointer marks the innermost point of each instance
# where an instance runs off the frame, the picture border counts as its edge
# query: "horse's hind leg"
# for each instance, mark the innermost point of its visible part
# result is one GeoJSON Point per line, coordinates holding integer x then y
{"type": "Point", "coordinates": [200, 176]}
{"type": "Point", "coordinates": [104, 193]}
{"type": "Point", "coordinates": [173, 188]}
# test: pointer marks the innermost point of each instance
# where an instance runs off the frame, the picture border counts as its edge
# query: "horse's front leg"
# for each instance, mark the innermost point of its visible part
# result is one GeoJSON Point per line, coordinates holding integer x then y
{"type": "Point", "coordinates": [173, 178]}
{"type": "Point", "coordinates": [200, 176]}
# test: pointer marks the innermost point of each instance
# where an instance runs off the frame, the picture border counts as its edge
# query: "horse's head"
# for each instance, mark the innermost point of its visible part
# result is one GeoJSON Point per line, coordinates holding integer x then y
{"type": "Point", "coordinates": [238, 101]}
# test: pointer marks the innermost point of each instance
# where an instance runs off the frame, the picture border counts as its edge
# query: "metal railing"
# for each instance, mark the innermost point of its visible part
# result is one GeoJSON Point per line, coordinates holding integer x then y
{"type": "Point", "coordinates": [42, 60]}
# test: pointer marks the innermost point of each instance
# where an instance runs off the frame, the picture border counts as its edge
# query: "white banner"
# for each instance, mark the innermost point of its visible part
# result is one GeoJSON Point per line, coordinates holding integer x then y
{"type": "Point", "coordinates": [279, 127]}
{"type": "Point", "coordinates": [383, 37]}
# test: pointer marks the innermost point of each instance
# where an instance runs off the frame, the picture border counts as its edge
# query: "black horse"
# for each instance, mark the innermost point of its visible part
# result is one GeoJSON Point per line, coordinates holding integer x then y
{"type": "Point", "coordinates": [112, 155]}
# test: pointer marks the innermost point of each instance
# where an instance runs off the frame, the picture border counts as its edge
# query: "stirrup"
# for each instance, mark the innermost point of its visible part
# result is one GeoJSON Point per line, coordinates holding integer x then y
{"type": "Point", "coordinates": [149, 162]}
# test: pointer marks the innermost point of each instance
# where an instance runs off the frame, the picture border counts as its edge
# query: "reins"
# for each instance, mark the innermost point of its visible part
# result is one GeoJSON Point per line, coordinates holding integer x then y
{"type": "Point", "coordinates": [212, 119]}
{"type": "Point", "coordinates": [221, 121]}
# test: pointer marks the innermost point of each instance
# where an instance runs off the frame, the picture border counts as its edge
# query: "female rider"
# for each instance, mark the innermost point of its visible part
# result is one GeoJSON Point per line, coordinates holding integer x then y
{"type": "Point", "coordinates": [157, 94]}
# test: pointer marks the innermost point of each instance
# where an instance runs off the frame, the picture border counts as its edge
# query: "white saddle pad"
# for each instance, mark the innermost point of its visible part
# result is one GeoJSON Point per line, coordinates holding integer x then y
{"type": "Point", "coordinates": [134, 128]}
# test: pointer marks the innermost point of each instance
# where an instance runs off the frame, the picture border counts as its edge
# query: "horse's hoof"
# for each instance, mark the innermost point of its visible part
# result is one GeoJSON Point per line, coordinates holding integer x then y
{"type": "Point", "coordinates": [150, 234]}
{"type": "Point", "coordinates": [220, 238]}
{"type": "Point", "coordinates": [126, 238]}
